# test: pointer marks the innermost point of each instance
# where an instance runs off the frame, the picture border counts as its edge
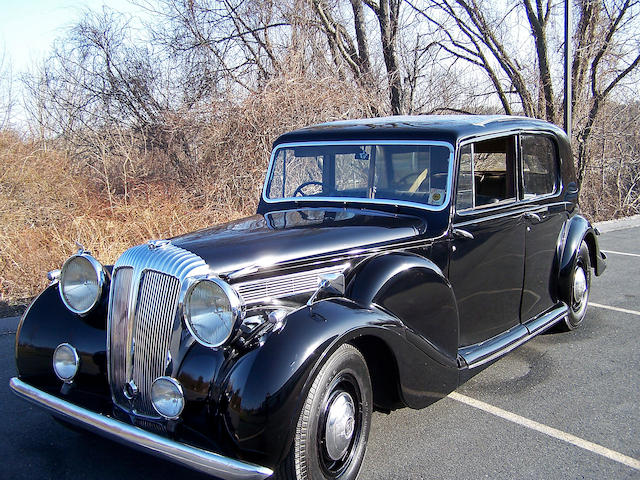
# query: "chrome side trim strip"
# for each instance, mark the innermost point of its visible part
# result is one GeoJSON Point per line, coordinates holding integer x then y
{"type": "Point", "coordinates": [204, 461]}
{"type": "Point", "coordinates": [282, 286]}
{"type": "Point", "coordinates": [543, 322]}
{"type": "Point", "coordinates": [493, 348]}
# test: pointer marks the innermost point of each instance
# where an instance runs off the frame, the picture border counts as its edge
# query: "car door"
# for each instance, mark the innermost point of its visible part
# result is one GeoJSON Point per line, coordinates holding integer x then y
{"type": "Point", "coordinates": [544, 214]}
{"type": "Point", "coordinates": [487, 250]}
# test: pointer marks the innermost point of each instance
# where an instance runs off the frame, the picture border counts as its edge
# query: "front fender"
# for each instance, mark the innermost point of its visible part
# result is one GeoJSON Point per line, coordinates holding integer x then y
{"type": "Point", "coordinates": [576, 229]}
{"type": "Point", "coordinates": [416, 291]}
{"type": "Point", "coordinates": [265, 389]}
{"type": "Point", "coordinates": [46, 324]}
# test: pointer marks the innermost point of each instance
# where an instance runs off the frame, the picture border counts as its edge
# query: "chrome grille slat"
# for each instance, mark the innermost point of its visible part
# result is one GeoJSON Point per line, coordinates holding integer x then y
{"type": "Point", "coordinates": [145, 293]}
{"type": "Point", "coordinates": [284, 285]}
{"type": "Point", "coordinates": [119, 313]}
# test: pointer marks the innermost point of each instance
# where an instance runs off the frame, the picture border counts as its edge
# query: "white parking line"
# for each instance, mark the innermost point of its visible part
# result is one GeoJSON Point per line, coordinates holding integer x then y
{"type": "Point", "coordinates": [621, 253]}
{"type": "Point", "coordinates": [552, 432]}
{"type": "Point", "coordinates": [615, 309]}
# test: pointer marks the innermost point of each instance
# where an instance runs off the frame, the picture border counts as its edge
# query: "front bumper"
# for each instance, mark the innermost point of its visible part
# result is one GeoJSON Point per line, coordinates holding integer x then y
{"type": "Point", "coordinates": [202, 460]}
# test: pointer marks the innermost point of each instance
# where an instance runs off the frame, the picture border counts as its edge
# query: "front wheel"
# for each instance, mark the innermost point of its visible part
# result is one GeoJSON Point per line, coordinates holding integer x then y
{"type": "Point", "coordinates": [580, 285]}
{"type": "Point", "coordinates": [333, 427]}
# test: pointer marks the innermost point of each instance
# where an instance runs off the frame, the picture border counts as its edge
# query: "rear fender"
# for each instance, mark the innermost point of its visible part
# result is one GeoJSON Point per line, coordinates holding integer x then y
{"type": "Point", "coordinates": [575, 230]}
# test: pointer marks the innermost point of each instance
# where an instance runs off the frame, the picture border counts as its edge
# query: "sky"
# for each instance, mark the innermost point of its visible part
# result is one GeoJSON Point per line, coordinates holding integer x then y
{"type": "Point", "coordinates": [28, 27]}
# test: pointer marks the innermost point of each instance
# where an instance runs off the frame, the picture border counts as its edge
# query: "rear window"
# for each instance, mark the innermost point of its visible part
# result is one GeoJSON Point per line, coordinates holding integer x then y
{"type": "Point", "coordinates": [539, 165]}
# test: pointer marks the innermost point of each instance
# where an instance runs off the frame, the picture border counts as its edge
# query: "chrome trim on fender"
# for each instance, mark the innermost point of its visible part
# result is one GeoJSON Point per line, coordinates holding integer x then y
{"type": "Point", "coordinates": [198, 459]}
{"type": "Point", "coordinates": [287, 285]}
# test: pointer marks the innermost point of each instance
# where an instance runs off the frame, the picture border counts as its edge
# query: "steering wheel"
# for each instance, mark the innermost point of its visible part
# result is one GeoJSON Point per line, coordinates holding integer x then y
{"type": "Point", "coordinates": [303, 185]}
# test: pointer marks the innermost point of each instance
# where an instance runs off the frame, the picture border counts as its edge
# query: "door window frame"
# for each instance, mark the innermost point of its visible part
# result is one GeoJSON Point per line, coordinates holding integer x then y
{"type": "Point", "coordinates": [508, 202]}
{"type": "Point", "coordinates": [519, 172]}
{"type": "Point", "coordinates": [558, 184]}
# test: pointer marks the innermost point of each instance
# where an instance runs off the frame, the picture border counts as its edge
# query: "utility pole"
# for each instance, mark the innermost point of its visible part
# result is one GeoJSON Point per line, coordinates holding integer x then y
{"type": "Point", "coordinates": [567, 67]}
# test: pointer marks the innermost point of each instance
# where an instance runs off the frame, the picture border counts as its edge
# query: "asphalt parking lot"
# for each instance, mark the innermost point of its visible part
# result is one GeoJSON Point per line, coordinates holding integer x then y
{"type": "Point", "coordinates": [563, 406]}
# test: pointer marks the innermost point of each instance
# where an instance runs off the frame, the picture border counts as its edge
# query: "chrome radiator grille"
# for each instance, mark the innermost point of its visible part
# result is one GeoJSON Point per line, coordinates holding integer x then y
{"type": "Point", "coordinates": [145, 292]}
{"type": "Point", "coordinates": [155, 314]}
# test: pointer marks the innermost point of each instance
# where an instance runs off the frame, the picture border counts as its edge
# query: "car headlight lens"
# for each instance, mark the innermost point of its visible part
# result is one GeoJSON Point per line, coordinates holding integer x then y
{"type": "Point", "coordinates": [81, 281]}
{"type": "Point", "coordinates": [167, 397]}
{"type": "Point", "coordinates": [212, 309]}
{"type": "Point", "coordinates": [65, 362]}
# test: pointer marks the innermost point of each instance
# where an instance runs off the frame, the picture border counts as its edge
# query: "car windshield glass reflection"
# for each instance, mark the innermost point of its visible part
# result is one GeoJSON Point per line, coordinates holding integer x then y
{"type": "Point", "coordinates": [414, 173]}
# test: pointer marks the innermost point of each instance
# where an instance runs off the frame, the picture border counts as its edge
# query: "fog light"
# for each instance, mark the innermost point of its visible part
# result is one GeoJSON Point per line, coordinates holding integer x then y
{"type": "Point", "coordinates": [65, 362]}
{"type": "Point", "coordinates": [167, 397]}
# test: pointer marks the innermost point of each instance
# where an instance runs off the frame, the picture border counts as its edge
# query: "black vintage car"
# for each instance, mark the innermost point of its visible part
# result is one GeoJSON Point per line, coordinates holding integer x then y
{"type": "Point", "coordinates": [389, 261]}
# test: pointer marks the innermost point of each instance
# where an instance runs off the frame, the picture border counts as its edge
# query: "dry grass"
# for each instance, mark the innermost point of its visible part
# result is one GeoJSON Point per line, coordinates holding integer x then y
{"type": "Point", "coordinates": [114, 192]}
{"type": "Point", "coordinates": [44, 208]}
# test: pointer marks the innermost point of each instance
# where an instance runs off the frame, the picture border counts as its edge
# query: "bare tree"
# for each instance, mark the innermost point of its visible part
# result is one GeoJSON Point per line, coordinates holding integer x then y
{"type": "Point", "coordinates": [611, 60]}
{"type": "Point", "coordinates": [356, 51]}
{"type": "Point", "coordinates": [6, 91]}
{"type": "Point", "coordinates": [607, 51]}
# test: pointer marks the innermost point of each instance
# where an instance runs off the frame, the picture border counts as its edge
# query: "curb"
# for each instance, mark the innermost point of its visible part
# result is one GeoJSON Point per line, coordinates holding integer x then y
{"type": "Point", "coordinates": [9, 325]}
{"type": "Point", "coordinates": [619, 224]}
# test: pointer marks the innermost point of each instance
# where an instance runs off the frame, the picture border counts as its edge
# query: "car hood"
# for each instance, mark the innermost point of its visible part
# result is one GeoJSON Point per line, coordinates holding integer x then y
{"type": "Point", "coordinates": [295, 235]}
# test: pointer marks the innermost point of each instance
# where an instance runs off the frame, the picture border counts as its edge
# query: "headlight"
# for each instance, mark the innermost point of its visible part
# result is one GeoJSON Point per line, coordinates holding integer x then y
{"type": "Point", "coordinates": [211, 310]}
{"type": "Point", "coordinates": [167, 397]}
{"type": "Point", "coordinates": [65, 362]}
{"type": "Point", "coordinates": [81, 281]}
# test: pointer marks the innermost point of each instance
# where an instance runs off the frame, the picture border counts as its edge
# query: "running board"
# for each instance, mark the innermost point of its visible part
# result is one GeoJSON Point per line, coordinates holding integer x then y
{"type": "Point", "coordinates": [484, 352]}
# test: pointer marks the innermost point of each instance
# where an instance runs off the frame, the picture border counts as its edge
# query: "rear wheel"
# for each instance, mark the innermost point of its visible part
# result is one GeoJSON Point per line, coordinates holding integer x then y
{"type": "Point", "coordinates": [579, 287]}
{"type": "Point", "coordinates": [333, 427]}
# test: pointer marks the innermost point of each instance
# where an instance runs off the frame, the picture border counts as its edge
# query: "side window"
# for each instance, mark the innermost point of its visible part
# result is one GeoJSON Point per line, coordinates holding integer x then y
{"type": "Point", "coordinates": [464, 195]}
{"type": "Point", "coordinates": [487, 173]}
{"type": "Point", "coordinates": [539, 165]}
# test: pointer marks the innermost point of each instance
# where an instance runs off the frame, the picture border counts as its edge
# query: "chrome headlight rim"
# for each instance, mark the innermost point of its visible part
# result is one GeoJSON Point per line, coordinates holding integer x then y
{"type": "Point", "coordinates": [101, 278]}
{"type": "Point", "coordinates": [235, 301]}
{"type": "Point", "coordinates": [176, 384]}
{"type": "Point", "coordinates": [76, 357]}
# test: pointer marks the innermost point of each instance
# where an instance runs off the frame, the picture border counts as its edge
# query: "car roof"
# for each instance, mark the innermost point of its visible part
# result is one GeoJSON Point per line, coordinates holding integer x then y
{"type": "Point", "coordinates": [450, 128]}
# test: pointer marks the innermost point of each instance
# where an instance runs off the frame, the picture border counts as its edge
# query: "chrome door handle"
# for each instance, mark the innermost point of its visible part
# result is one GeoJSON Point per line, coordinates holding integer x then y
{"type": "Point", "coordinates": [458, 232]}
{"type": "Point", "coordinates": [531, 216]}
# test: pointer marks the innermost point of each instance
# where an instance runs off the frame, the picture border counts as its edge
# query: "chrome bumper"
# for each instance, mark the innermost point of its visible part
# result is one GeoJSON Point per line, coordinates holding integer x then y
{"type": "Point", "coordinates": [202, 460]}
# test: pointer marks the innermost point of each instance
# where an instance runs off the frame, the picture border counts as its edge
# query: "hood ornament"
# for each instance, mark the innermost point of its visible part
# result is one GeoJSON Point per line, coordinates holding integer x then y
{"type": "Point", "coordinates": [153, 244]}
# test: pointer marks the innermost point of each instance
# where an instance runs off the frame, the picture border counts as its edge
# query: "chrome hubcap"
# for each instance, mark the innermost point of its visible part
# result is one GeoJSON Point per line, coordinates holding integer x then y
{"type": "Point", "coordinates": [340, 425]}
{"type": "Point", "coordinates": [579, 285]}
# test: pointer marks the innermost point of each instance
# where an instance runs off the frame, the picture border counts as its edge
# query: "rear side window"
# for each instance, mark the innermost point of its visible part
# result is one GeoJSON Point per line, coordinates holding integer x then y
{"type": "Point", "coordinates": [486, 175]}
{"type": "Point", "coordinates": [539, 165]}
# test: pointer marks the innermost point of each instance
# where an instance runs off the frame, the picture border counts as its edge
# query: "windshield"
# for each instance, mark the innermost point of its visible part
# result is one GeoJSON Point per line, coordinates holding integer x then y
{"type": "Point", "coordinates": [400, 172]}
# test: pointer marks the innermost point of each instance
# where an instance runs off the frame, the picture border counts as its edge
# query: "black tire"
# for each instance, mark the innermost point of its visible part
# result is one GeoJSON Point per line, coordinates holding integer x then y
{"type": "Point", "coordinates": [579, 298]}
{"type": "Point", "coordinates": [314, 456]}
